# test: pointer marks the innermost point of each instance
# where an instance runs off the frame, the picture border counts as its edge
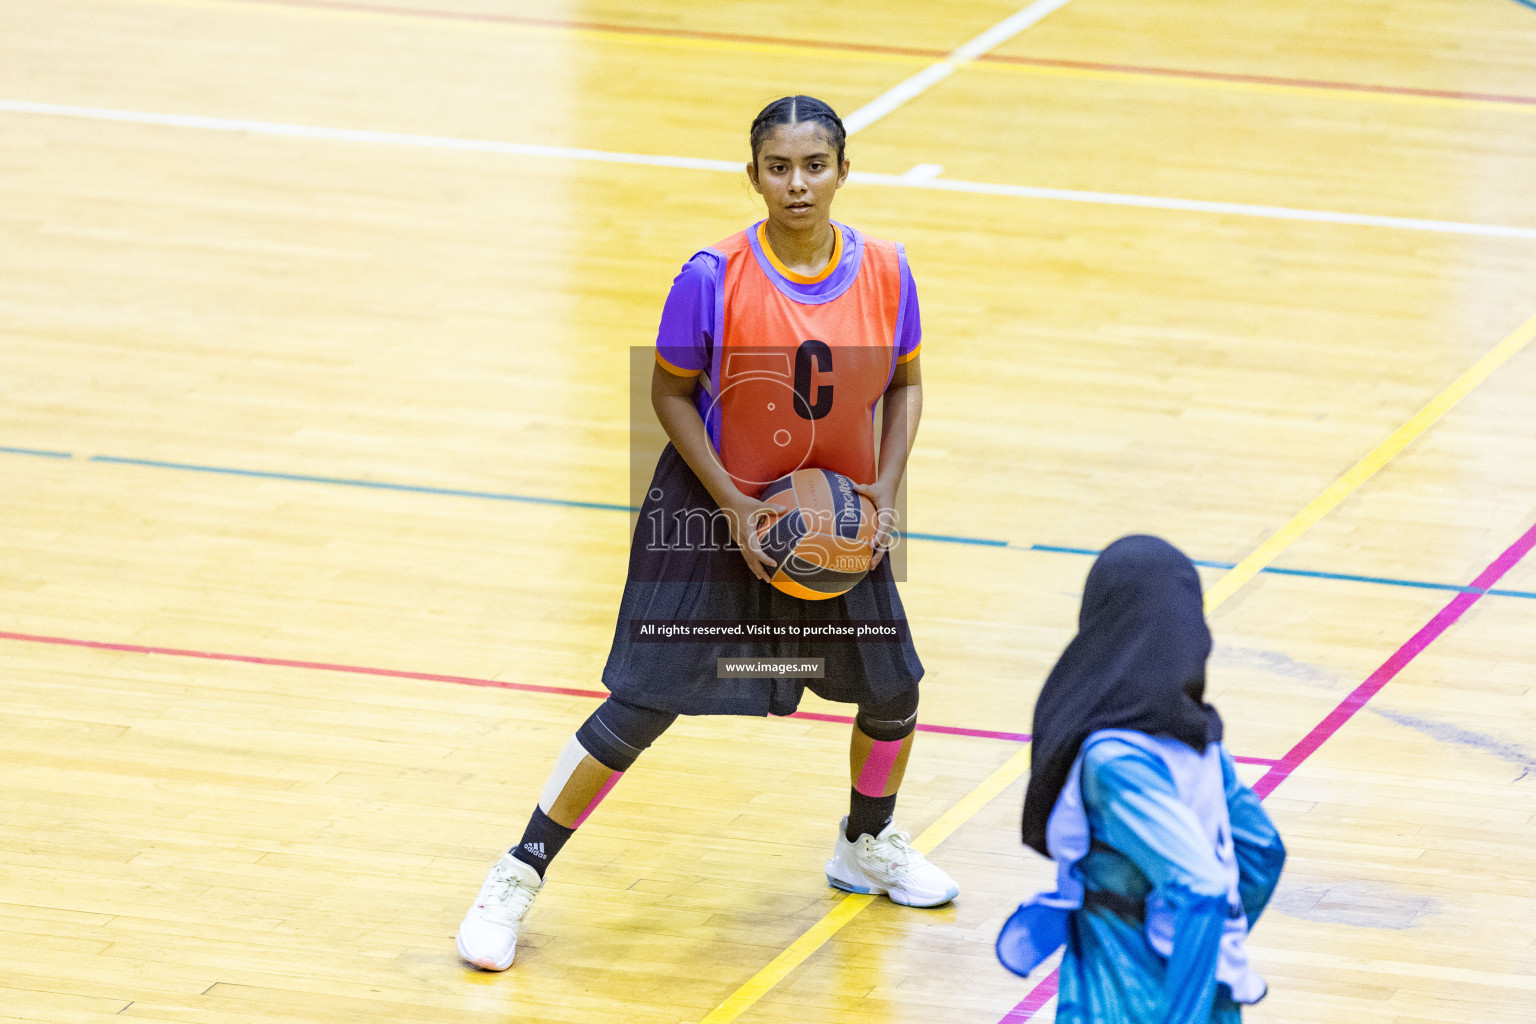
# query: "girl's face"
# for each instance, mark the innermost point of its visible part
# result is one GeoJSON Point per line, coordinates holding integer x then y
{"type": "Point", "coordinates": [796, 173]}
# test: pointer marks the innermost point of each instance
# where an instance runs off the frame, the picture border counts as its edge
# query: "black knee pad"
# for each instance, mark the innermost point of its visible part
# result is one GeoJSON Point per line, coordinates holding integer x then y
{"type": "Point", "coordinates": [617, 733]}
{"type": "Point", "coordinates": [892, 719]}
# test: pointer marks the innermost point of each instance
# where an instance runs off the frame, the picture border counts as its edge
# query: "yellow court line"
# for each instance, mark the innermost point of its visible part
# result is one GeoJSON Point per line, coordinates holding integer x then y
{"type": "Point", "coordinates": [1366, 468]}
{"type": "Point", "coordinates": [847, 909]}
{"type": "Point", "coordinates": [1271, 88]}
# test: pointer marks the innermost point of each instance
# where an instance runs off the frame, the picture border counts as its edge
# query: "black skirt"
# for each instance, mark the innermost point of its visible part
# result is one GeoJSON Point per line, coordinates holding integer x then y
{"type": "Point", "coordinates": [683, 568]}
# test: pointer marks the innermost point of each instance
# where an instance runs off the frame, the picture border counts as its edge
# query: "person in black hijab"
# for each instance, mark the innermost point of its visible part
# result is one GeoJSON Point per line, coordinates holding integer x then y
{"type": "Point", "coordinates": [1164, 858]}
{"type": "Point", "coordinates": [1137, 662]}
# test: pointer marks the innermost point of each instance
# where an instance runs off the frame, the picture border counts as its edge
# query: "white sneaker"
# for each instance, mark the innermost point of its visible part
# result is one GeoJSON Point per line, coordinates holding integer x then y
{"type": "Point", "coordinates": [488, 934]}
{"type": "Point", "coordinates": [887, 865]}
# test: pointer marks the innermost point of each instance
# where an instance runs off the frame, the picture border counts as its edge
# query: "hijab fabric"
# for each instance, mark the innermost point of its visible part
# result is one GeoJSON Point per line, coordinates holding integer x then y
{"type": "Point", "coordinates": [1137, 662]}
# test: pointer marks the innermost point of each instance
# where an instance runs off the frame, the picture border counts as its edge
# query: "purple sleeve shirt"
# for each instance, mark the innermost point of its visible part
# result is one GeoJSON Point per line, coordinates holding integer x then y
{"type": "Point", "coordinates": [690, 318]}
{"type": "Point", "coordinates": [686, 337]}
{"type": "Point", "coordinates": [910, 338]}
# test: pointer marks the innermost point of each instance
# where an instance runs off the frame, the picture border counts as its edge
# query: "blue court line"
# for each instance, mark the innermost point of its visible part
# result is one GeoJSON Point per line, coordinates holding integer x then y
{"type": "Point", "coordinates": [945, 538]}
{"type": "Point", "coordinates": [530, 499]}
{"type": "Point", "coordinates": [371, 484]}
{"type": "Point", "coordinates": [1319, 575]}
{"type": "Point", "coordinates": [1532, 5]}
{"type": "Point", "coordinates": [40, 452]}
{"type": "Point", "coordinates": [1056, 550]}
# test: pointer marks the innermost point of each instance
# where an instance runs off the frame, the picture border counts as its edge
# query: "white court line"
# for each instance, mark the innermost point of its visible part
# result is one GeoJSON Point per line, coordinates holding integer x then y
{"type": "Point", "coordinates": [1449, 227]}
{"type": "Point", "coordinates": [305, 131]}
{"type": "Point", "coordinates": [935, 73]}
{"type": "Point", "coordinates": [923, 172]}
{"type": "Point", "coordinates": [225, 124]}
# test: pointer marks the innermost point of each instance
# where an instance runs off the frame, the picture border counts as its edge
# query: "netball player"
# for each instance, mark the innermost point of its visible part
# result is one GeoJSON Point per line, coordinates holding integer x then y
{"type": "Point", "coordinates": [1164, 859]}
{"type": "Point", "coordinates": [775, 346]}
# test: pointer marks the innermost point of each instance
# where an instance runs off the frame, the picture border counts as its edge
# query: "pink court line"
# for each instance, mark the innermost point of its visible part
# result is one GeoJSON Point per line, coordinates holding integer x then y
{"type": "Point", "coordinates": [486, 17]}
{"type": "Point", "coordinates": [897, 51]}
{"type": "Point", "coordinates": [1225, 76]}
{"type": "Point", "coordinates": [1399, 660]}
{"type": "Point", "coordinates": [1032, 1003]}
{"type": "Point", "coordinates": [323, 666]}
{"type": "Point", "coordinates": [433, 677]}
{"type": "Point", "coordinates": [1324, 730]}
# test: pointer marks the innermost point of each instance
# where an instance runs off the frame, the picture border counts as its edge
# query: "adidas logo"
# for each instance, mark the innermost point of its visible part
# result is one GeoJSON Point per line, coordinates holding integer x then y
{"type": "Point", "coordinates": [537, 849]}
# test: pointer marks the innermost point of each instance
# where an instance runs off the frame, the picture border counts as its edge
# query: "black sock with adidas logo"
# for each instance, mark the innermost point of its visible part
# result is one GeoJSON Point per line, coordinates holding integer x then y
{"type": "Point", "coordinates": [541, 841]}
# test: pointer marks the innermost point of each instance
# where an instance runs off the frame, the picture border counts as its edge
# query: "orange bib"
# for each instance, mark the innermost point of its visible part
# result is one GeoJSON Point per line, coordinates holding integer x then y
{"type": "Point", "coordinates": [797, 381]}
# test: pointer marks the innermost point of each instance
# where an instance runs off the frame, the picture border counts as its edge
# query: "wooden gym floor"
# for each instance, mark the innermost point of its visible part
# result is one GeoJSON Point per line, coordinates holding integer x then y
{"type": "Point", "coordinates": [315, 327]}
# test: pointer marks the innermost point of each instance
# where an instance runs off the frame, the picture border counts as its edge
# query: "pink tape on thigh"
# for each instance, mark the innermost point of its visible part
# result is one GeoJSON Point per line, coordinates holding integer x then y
{"type": "Point", "coordinates": [877, 767]}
